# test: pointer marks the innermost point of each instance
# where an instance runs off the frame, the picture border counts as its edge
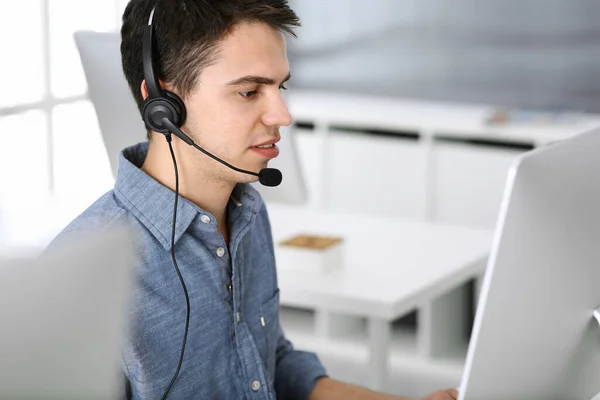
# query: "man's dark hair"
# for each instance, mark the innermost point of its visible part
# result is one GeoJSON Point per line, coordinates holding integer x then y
{"type": "Point", "coordinates": [188, 33]}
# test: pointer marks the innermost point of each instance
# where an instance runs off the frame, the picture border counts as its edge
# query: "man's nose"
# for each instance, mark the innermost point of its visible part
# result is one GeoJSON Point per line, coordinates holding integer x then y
{"type": "Point", "coordinates": [277, 113]}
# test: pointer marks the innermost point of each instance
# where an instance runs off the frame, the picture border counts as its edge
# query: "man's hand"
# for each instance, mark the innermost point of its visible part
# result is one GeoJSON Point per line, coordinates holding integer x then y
{"type": "Point", "coordinates": [329, 389]}
{"type": "Point", "coordinates": [448, 394]}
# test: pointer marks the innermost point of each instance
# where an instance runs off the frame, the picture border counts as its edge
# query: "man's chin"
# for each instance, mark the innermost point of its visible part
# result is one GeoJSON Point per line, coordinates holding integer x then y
{"type": "Point", "coordinates": [245, 178]}
{"type": "Point", "coordinates": [241, 177]}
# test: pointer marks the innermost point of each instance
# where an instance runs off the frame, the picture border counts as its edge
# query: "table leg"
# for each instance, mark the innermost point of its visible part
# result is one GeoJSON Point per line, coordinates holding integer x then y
{"type": "Point", "coordinates": [330, 324]}
{"type": "Point", "coordinates": [380, 332]}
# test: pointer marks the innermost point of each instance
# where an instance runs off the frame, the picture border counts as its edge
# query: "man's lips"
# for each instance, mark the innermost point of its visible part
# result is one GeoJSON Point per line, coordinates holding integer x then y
{"type": "Point", "coordinates": [268, 150]}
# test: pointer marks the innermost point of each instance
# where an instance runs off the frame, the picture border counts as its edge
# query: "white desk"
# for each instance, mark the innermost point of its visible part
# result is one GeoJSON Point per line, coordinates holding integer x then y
{"type": "Point", "coordinates": [392, 267]}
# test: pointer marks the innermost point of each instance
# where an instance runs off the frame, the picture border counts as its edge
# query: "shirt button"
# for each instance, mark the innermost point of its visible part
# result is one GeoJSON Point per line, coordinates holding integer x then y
{"type": "Point", "coordinates": [256, 386]}
{"type": "Point", "coordinates": [229, 287]}
{"type": "Point", "coordinates": [205, 219]}
{"type": "Point", "coordinates": [220, 251]}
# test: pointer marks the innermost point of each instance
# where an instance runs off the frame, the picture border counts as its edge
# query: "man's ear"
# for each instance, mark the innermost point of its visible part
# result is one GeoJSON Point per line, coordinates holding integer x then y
{"type": "Point", "coordinates": [144, 88]}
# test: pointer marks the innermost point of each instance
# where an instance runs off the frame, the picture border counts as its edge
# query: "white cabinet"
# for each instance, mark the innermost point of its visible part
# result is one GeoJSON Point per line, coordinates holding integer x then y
{"type": "Point", "coordinates": [454, 182]}
{"type": "Point", "coordinates": [364, 173]}
{"type": "Point", "coordinates": [376, 175]}
{"type": "Point", "coordinates": [452, 169]}
{"type": "Point", "coordinates": [469, 181]}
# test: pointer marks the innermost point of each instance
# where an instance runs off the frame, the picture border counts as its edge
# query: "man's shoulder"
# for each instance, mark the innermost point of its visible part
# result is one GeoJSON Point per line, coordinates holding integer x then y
{"type": "Point", "coordinates": [103, 214]}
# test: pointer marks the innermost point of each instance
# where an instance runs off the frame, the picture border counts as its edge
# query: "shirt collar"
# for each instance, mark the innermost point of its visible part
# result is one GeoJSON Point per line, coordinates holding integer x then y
{"type": "Point", "coordinates": [152, 203]}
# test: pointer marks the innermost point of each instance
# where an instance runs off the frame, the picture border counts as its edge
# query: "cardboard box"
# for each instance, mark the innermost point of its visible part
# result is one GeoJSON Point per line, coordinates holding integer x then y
{"type": "Point", "coordinates": [307, 252]}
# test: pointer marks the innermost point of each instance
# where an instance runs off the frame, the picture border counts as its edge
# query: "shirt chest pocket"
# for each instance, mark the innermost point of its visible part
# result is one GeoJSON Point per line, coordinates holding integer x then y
{"type": "Point", "coordinates": [267, 329]}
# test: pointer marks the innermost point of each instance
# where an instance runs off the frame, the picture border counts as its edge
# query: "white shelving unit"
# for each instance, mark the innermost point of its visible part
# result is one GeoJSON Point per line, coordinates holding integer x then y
{"type": "Point", "coordinates": [442, 160]}
{"type": "Point", "coordinates": [443, 164]}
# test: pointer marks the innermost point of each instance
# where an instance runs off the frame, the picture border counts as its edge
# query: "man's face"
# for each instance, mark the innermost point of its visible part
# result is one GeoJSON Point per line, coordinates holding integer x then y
{"type": "Point", "coordinates": [238, 104]}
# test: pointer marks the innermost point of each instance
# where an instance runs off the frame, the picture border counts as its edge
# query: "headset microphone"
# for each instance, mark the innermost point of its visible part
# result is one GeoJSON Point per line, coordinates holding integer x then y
{"type": "Point", "coordinates": [266, 176]}
{"type": "Point", "coordinates": [270, 176]}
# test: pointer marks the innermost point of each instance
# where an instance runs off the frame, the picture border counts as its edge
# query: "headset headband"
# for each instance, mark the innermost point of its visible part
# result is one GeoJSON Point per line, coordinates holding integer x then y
{"type": "Point", "coordinates": [152, 85]}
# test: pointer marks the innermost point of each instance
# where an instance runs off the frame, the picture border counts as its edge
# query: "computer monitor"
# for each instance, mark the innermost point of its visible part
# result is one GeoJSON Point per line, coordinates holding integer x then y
{"type": "Point", "coordinates": [119, 120]}
{"type": "Point", "coordinates": [121, 124]}
{"type": "Point", "coordinates": [62, 317]}
{"type": "Point", "coordinates": [535, 335]}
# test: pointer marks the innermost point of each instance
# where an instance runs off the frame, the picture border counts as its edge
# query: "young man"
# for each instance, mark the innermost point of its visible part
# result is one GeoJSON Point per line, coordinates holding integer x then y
{"type": "Point", "coordinates": [227, 61]}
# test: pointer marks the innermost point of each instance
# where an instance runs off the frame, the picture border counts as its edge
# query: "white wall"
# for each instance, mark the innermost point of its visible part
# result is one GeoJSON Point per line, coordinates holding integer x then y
{"type": "Point", "coordinates": [532, 53]}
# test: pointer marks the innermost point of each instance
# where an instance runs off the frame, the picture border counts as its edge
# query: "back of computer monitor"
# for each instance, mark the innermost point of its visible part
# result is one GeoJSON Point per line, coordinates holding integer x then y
{"type": "Point", "coordinates": [118, 117]}
{"type": "Point", "coordinates": [63, 317]}
{"type": "Point", "coordinates": [534, 335]}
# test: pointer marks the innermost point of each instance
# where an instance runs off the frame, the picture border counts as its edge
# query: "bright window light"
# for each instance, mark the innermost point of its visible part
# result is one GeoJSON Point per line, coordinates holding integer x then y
{"type": "Point", "coordinates": [23, 157]}
{"type": "Point", "coordinates": [67, 17]}
{"type": "Point", "coordinates": [81, 165]}
{"type": "Point", "coordinates": [21, 47]}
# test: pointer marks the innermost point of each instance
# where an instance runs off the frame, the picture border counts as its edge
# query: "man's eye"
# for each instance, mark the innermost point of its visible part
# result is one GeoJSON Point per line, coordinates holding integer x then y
{"type": "Point", "coordinates": [282, 87]}
{"type": "Point", "coordinates": [249, 94]}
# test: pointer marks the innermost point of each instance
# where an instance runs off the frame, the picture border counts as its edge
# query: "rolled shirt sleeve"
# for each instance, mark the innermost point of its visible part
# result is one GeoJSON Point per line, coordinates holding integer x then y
{"type": "Point", "coordinates": [296, 372]}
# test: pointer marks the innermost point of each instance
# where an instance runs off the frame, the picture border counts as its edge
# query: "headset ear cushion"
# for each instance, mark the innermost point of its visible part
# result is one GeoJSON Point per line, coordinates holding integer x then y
{"type": "Point", "coordinates": [169, 106]}
{"type": "Point", "coordinates": [179, 106]}
{"type": "Point", "coordinates": [155, 110]}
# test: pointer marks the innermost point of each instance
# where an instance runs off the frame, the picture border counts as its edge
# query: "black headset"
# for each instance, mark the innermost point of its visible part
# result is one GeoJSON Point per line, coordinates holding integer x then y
{"type": "Point", "coordinates": [164, 112]}
{"type": "Point", "coordinates": [160, 103]}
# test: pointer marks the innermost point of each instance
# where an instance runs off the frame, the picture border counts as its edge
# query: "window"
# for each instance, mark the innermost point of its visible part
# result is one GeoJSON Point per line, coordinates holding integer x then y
{"type": "Point", "coordinates": [23, 156]}
{"type": "Point", "coordinates": [65, 18]}
{"type": "Point", "coordinates": [23, 75]}
{"type": "Point", "coordinates": [51, 147]}
{"type": "Point", "coordinates": [81, 174]}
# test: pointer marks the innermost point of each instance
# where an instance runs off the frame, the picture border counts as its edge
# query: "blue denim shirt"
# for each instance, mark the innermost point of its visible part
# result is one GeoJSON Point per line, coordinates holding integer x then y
{"type": "Point", "coordinates": [236, 348]}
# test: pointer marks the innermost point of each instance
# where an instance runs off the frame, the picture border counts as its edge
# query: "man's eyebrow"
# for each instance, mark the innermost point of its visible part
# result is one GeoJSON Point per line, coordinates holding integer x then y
{"type": "Point", "coordinates": [257, 80]}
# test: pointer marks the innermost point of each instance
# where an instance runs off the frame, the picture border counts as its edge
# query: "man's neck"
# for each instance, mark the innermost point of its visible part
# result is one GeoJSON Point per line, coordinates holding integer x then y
{"type": "Point", "coordinates": [207, 193]}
